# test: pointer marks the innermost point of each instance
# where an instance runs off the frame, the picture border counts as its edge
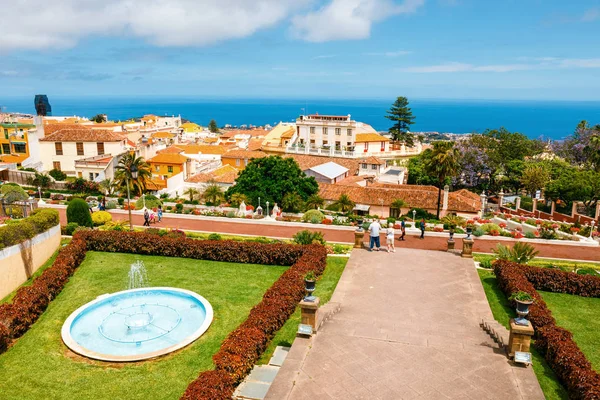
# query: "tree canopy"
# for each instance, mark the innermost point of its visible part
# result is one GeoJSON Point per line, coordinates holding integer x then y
{"type": "Point", "coordinates": [123, 173]}
{"type": "Point", "coordinates": [401, 115]}
{"type": "Point", "coordinates": [271, 178]}
{"type": "Point", "coordinates": [212, 126]}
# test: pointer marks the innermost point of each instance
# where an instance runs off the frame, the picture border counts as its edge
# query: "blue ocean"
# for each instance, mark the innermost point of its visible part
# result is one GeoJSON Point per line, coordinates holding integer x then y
{"type": "Point", "coordinates": [548, 119]}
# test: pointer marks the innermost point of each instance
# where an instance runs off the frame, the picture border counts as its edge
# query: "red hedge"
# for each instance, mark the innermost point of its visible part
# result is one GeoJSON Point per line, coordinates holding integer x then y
{"type": "Point", "coordinates": [562, 353]}
{"type": "Point", "coordinates": [242, 347]}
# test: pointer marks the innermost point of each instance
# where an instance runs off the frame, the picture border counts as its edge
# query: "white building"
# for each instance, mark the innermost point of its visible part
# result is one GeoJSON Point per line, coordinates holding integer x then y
{"type": "Point", "coordinates": [328, 173]}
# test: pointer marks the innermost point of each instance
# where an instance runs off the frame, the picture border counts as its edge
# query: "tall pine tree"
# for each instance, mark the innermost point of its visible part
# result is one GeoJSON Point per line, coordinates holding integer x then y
{"type": "Point", "coordinates": [401, 114]}
{"type": "Point", "coordinates": [212, 126]}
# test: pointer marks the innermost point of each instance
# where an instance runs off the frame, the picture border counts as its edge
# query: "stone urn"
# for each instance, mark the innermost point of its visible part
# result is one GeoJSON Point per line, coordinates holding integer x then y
{"type": "Point", "coordinates": [523, 307]}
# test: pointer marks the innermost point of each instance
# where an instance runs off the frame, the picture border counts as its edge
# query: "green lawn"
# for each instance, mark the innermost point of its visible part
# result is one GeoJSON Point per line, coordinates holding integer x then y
{"type": "Point", "coordinates": [503, 311]}
{"type": "Point", "coordinates": [325, 287]}
{"type": "Point", "coordinates": [565, 265]}
{"type": "Point", "coordinates": [580, 316]}
{"type": "Point", "coordinates": [39, 366]}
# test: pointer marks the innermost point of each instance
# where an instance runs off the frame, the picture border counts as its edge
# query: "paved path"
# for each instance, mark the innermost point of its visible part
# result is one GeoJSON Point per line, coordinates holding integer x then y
{"type": "Point", "coordinates": [408, 328]}
{"type": "Point", "coordinates": [343, 236]}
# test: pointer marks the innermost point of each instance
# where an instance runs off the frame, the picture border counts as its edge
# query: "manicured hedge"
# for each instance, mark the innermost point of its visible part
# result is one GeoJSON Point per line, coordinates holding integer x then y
{"type": "Point", "coordinates": [242, 347]}
{"type": "Point", "coordinates": [18, 231]}
{"type": "Point", "coordinates": [562, 353]}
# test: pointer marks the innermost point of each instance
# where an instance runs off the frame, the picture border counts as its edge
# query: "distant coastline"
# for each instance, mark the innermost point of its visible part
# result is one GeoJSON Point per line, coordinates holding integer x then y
{"type": "Point", "coordinates": [548, 119]}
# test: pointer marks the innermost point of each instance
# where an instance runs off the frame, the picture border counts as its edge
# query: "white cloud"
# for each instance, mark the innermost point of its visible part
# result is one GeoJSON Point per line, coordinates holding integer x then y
{"type": "Point", "coordinates": [543, 63]}
{"type": "Point", "coordinates": [389, 53]}
{"type": "Point", "coordinates": [43, 24]}
{"type": "Point", "coordinates": [348, 19]}
{"type": "Point", "coordinates": [591, 15]}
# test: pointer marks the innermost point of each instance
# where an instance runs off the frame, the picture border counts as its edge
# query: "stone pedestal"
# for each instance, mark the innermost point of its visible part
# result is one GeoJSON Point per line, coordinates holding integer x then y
{"type": "Point", "coordinates": [520, 338]}
{"type": "Point", "coordinates": [467, 251]}
{"type": "Point", "coordinates": [451, 244]}
{"type": "Point", "coordinates": [358, 239]}
{"type": "Point", "coordinates": [309, 313]}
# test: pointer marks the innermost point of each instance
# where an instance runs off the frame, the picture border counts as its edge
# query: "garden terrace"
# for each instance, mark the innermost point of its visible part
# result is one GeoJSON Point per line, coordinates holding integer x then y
{"type": "Point", "coordinates": [103, 272]}
{"type": "Point", "coordinates": [556, 343]}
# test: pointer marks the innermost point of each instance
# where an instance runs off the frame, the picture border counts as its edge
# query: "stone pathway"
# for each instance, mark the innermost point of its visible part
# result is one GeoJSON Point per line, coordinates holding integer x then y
{"type": "Point", "coordinates": [257, 384]}
{"type": "Point", "coordinates": [408, 328]}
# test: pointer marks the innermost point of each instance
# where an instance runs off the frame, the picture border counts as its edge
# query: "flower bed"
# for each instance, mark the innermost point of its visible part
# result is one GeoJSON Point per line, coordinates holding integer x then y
{"type": "Point", "coordinates": [240, 350]}
{"type": "Point", "coordinates": [562, 353]}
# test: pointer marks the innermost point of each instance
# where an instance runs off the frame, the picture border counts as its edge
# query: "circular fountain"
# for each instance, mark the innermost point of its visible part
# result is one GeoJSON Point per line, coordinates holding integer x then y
{"type": "Point", "coordinates": [137, 324]}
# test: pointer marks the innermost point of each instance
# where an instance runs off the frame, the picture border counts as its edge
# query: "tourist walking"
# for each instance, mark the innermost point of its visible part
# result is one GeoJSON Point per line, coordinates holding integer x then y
{"type": "Point", "coordinates": [374, 229]}
{"type": "Point", "coordinates": [146, 218]}
{"type": "Point", "coordinates": [390, 239]}
{"type": "Point", "coordinates": [402, 229]}
{"type": "Point", "coordinates": [422, 226]}
{"type": "Point", "coordinates": [159, 213]}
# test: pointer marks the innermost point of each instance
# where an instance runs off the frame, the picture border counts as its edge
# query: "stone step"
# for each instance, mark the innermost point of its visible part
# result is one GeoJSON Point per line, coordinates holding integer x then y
{"type": "Point", "coordinates": [279, 356]}
{"type": "Point", "coordinates": [257, 384]}
{"type": "Point", "coordinates": [496, 331]}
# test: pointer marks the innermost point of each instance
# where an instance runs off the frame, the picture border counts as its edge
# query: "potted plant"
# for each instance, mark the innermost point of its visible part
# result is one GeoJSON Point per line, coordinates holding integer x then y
{"type": "Point", "coordinates": [523, 300]}
{"type": "Point", "coordinates": [310, 282]}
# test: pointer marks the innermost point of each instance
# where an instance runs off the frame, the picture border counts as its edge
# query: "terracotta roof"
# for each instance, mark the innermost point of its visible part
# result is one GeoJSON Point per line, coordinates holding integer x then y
{"type": "Point", "coordinates": [306, 162]}
{"type": "Point", "coordinates": [224, 174]}
{"type": "Point", "coordinates": [289, 133]}
{"type": "Point", "coordinates": [78, 133]}
{"type": "Point", "coordinates": [166, 158]}
{"type": "Point", "coordinates": [210, 140]}
{"type": "Point", "coordinates": [354, 180]}
{"type": "Point", "coordinates": [202, 148]}
{"type": "Point", "coordinates": [255, 144]}
{"type": "Point", "coordinates": [373, 160]}
{"type": "Point", "coordinates": [370, 137]}
{"type": "Point", "coordinates": [171, 150]}
{"type": "Point", "coordinates": [413, 195]}
{"type": "Point", "coordinates": [163, 135]}
{"type": "Point", "coordinates": [244, 154]}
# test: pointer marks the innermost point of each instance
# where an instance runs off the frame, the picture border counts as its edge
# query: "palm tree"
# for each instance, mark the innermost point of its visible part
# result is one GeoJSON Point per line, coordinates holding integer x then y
{"type": "Point", "coordinates": [213, 194]}
{"type": "Point", "coordinates": [314, 201]}
{"type": "Point", "coordinates": [108, 186]}
{"type": "Point", "coordinates": [344, 203]}
{"type": "Point", "coordinates": [123, 173]}
{"type": "Point", "coordinates": [292, 202]}
{"type": "Point", "coordinates": [237, 199]}
{"type": "Point", "coordinates": [442, 162]}
{"type": "Point", "coordinates": [398, 204]}
{"type": "Point", "coordinates": [191, 192]}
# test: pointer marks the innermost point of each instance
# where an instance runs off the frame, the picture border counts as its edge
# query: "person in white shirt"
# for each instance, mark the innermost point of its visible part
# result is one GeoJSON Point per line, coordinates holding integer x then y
{"type": "Point", "coordinates": [390, 239]}
{"type": "Point", "coordinates": [374, 229]}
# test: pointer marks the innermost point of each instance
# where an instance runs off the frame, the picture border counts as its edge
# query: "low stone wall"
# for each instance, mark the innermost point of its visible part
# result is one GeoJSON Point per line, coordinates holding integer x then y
{"type": "Point", "coordinates": [19, 262]}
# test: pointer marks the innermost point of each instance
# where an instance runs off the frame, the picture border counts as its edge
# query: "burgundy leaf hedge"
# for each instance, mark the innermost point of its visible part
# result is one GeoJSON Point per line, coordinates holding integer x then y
{"type": "Point", "coordinates": [565, 358]}
{"type": "Point", "coordinates": [242, 347]}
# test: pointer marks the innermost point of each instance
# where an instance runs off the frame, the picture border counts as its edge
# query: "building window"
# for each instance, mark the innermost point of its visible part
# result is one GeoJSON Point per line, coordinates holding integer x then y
{"type": "Point", "coordinates": [338, 131]}
{"type": "Point", "coordinates": [100, 147]}
{"type": "Point", "coordinates": [79, 148]}
{"type": "Point", "coordinates": [20, 148]}
{"type": "Point", "coordinates": [312, 130]}
{"type": "Point", "coordinates": [5, 148]}
{"type": "Point", "coordinates": [312, 142]}
{"type": "Point", "coordinates": [349, 131]}
{"type": "Point", "coordinates": [246, 161]}
{"type": "Point", "coordinates": [374, 166]}
{"type": "Point", "coordinates": [56, 165]}
{"type": "Point", "coordinates": [349, 144]}
{"type": "Point", "coordinates": [325, 142]}
{"type": "Point", "coordinates": [91, 176]}
{"type": "Point", "coordinates": [170, 169]}
{"type": "Point", "coordinates": [165, 177]}
{"type": "Point", "coordinates": [364, 166]}
{"type": "Point", "coordinates": [324, 131]}
{"type": "Point", "coordinates": [338, 145]}
{"type": "Point", "coordinates": [366, 147]}
{"type": "Point", "coordinates": [58, 148]}
{"type": "Point", "coordinates": [237, 162]}
{"type": "Point", "coordinates": [157, 168]}
{"type": "Point", "coordinates": [382, 146]}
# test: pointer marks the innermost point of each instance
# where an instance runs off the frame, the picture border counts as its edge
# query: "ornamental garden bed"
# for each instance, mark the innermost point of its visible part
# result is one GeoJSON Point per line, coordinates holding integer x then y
{"type": "Point", "coordinates": [561, 352]}
{"type": "Point", "coordinates": [226, 273]}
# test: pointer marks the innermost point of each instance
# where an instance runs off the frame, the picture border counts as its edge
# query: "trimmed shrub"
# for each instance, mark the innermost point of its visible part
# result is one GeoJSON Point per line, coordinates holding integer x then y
{"type": "Point", "coordinates": [78, 211]}
{"type": "Point", "coordinates": [121, 201]}
{"type": "Point", "coordinates": [478, 232]}
{"type": "Point", "coordinates": [150, 200]}
{"type": "Point", "coordinates": [308, 237]}
{"type": "Point", "coordinates": [70, 228]}
{"type": "Point", "coordinates": [111, 205]}
{"type": "Point", "coordinates": [313, 215]}
{"type": "Point", "coordinates": [489, 228]}
{"type": "Point", "coordinates": [13, 192]}
{"type": "Point", "coordinates": [15, 232]}
{"type": "Point", "coordinates": [420, 214]}
{"type": "Point", "coordinates": [214, 236]}
{"type": "Point", "coordinates": [101, 218]}
{"type": "Point", "coordinates": [57, 175]}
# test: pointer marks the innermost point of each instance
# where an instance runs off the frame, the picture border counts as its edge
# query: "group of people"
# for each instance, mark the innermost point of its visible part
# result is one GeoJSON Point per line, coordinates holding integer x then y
{"type": "Point", "coordinates": [151, 217]}
{"type": "Point", "coordinates": [375, 229]}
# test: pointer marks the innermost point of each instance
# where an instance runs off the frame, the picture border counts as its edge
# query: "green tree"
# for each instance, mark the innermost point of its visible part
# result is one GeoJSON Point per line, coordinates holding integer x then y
{"type": "Point", "coordinates": [212, 126]}
{"type": "Point", "coordinates": [107, 186]}
{"type": "Point", "coordinates": [314, 202]}
{"type": "Point", "coordinates": [402, 117]}
{"type": "Point", "coordinates": [123, 173]}
{"type": "Point", "coordinates": [58, 175]}
{"type": "Point", "coordinates": [271, 178]}
{"type": "Point", "coordinates": [98, 118]}
{"type": "Point", "coordinates": [592, 150]}
{"type": "Point", "coordinates": [292, 202]}
{"type": "Point", "coordinates": [41, 180]}
{"type": "Point", "coordinates": [78, 211]}
{"type": "Point", "coordinates": [534, 177]}
{"type": "Point", "coordinates": [344, 203]}
{"type": "Point", "coordinates": [576, 185]}
{"type": "Point", "coordinates": [417, 175]}
{"type": "Point", "coordinates": [191, 192]}
{"type": "Point", "coordinates": [237, 199]}
{"type": "Point", "coordinates": [213, 194]}
{"type": "Point", "coordinates": [442, 163]}
{"type": "Point", "coordinates": [12, 192]}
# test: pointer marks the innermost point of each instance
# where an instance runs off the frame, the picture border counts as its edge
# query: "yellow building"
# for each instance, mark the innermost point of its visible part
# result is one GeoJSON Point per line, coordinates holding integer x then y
{"type": "Point", "coordinates": [240, 158]}
{"type": "Point", "coordinates": [190, 127]}
{"type": "Point", "coordinates": [165, 165]}
{"type": "Point", "coordinates": [14, 145]}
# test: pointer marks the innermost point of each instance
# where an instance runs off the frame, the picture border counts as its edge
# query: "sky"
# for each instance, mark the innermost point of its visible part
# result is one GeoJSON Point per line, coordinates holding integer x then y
{"type": "Point", "coordinates": [353, 49]}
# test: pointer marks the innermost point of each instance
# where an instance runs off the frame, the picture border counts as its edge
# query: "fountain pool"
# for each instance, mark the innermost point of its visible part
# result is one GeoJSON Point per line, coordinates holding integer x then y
{"type": "Point", "coordinates": [137, 324]}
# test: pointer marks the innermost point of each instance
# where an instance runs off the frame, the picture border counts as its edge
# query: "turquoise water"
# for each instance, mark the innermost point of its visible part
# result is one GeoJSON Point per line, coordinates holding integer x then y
{"type": "Point", "coordinates": [550, 119]}
{"type": "Point", "coordinates": [138, 322]}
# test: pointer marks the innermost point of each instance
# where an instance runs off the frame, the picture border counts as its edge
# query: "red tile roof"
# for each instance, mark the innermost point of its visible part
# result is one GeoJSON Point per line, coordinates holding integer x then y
{"type": "Point", "coordinates": [78, 133]}
{"type": "Point", "coordinates": [225, 174]}
{"type": "Point", "coordinates": [168, 158]}
{"type": "Point", "coordinates": [244, 154]}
